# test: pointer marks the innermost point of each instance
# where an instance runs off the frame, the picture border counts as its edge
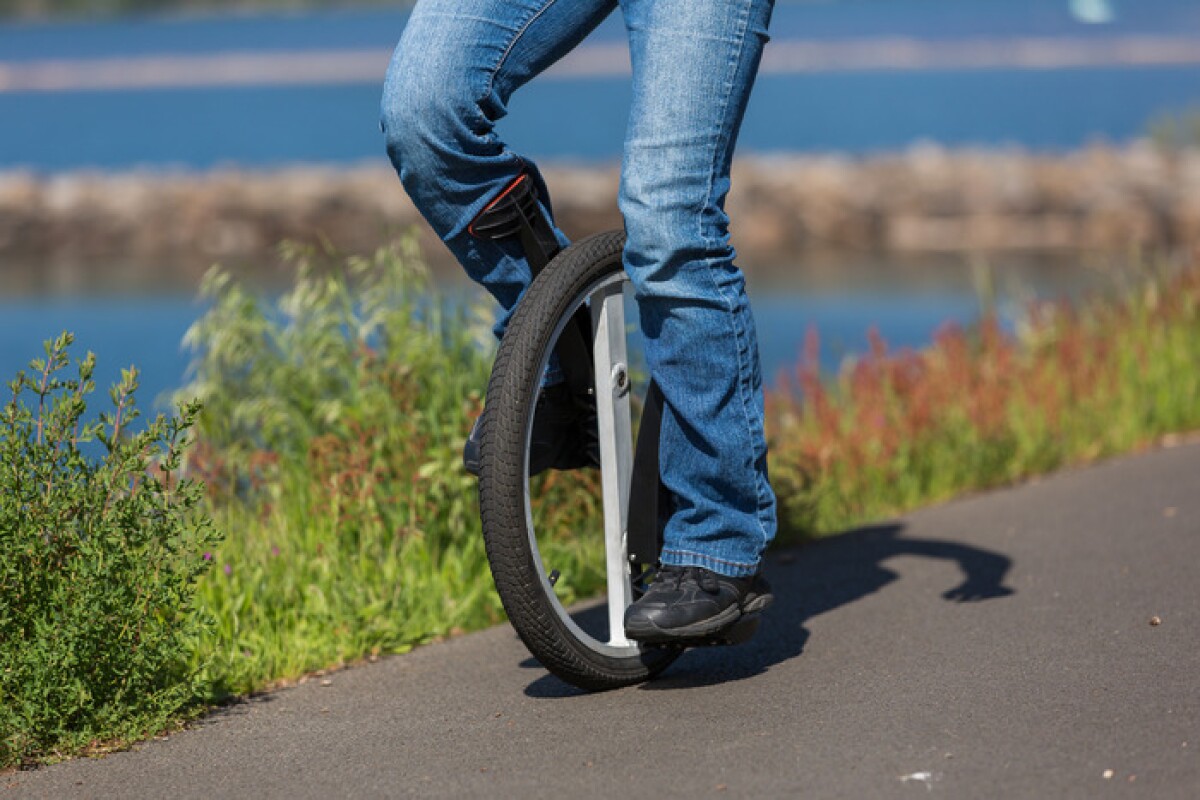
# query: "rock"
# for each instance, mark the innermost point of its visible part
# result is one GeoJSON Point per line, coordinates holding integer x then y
{"type": "Point", "coordinates": [926, 199]}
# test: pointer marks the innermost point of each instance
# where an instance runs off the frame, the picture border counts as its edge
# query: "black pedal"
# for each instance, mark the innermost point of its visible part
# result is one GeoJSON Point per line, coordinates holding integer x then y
{"type": "Point", "coordinates": [515, 213]}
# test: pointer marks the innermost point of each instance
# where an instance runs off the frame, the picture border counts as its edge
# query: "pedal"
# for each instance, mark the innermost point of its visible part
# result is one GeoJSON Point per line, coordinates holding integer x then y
{"type": "Point", "coordinates": [472, 461]}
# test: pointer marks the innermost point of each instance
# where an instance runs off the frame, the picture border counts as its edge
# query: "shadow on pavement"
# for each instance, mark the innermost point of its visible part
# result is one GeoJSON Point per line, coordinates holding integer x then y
{"type": "Point", "coordinates": [810, 580]}
{"type": "Point", "coordinates": [232, 706]}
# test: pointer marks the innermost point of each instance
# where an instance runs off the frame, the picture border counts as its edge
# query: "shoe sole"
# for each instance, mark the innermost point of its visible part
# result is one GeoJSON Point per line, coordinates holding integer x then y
{"type": "Point", "coordinates": [724, 628]}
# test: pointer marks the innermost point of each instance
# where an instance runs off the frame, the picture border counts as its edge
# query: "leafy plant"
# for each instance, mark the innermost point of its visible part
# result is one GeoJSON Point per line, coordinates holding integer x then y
{"type": "Point", "coordinates": [335, 416]}
{"type": "Point", "coordinates": [101, 544]}
{"type": "Point", "coordinates": [983, 408]}
{"type": "Point", "coordinates": [329, 448]}
{"type": "Point", "coordinates": [330, 440]}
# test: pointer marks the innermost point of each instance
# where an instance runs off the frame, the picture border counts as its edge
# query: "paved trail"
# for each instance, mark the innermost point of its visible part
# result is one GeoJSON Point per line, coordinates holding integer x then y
{"type": "Point", "coordinates": [998, 646]}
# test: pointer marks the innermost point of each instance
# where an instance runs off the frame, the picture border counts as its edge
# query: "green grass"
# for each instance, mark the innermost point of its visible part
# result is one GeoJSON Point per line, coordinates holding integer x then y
{"type": "Point", "coordinates": [331, 442]}
{"type": "Point", "coordinates": [330, 445]}
{"type": "Point", "coordinates": [334, 422]}
{"type": "Point", "coordinates": [980, 409]}
{"type": "Point", "coordinates": [334, 417]}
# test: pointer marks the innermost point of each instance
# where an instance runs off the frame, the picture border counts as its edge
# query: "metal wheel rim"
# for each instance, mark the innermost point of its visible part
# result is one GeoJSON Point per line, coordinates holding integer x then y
{"type": "Point", "coordinates": [631, 649]}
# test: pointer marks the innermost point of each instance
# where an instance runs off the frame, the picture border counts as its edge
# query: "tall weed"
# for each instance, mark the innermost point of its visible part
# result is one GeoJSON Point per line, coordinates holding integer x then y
{"type": "Point", "coordinates": [982, 408]}
{"type": "Point", "coordinates": [98, 562]}
{"type": "Point", "coordinates": [330, 441]}
{"type": "Point", "coordinates": [335, 416]}
{"type": "Point", "coordinates": [333, 419]}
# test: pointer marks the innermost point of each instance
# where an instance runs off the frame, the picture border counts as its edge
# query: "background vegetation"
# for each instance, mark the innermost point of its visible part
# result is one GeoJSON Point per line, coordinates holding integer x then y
{"type": "Point", "coordinates": [334, 420]}
{"type": "Point", "coordinates": [100, 548]}
{"type": "Point", "coordinates": [331, 439]}
{"type": "Point", "coordinates": [329, 447]}
{"type": "Point", "coordinates": [983, 408]}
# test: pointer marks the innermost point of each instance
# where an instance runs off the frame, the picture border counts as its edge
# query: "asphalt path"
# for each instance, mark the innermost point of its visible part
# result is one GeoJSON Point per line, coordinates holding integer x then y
{"type": "Point", "coordinates": [1038, 642]}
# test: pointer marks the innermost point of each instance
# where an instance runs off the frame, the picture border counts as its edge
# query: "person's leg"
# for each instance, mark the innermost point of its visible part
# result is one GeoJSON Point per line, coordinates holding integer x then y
{"type": "Point", "coordinates": [694, 63]}
{"type": "Point", "coordinates": [450, 80]}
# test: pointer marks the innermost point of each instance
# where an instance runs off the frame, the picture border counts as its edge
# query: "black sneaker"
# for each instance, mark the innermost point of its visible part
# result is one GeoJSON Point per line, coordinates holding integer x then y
{"type": "Point", "coordinates": [693, 605]}
{"type": "Point", "coordinates": [564, 434]}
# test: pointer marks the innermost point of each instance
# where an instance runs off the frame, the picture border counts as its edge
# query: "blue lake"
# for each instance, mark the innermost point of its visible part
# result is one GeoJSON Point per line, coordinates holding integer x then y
{"type": "Point", "coordinates": [584, 118]}
{"type": "Point", "coordinates": [380, 27]}
{"type": "Point", "coordinates": [841, 301]}
{"type": "Point", "coordinates": [148, 332]}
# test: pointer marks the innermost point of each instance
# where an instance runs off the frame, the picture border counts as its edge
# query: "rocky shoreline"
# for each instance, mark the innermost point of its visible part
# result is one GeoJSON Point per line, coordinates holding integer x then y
{"type": "Point", "coordinates": [924, 200]}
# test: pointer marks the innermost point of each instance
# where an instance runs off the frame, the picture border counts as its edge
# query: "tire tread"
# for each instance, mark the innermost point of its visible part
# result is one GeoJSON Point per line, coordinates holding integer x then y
{"type": "Point", "coordinates": [510, 394]}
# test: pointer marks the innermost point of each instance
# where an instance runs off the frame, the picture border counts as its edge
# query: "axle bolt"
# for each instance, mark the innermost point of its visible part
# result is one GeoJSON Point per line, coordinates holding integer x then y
{"type": "Point", "coordinates": [620, 377]}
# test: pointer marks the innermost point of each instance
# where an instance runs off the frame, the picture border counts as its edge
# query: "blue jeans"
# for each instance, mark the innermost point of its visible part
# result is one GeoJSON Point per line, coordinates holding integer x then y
{"type": "Point", "coordinates": [694, 63]}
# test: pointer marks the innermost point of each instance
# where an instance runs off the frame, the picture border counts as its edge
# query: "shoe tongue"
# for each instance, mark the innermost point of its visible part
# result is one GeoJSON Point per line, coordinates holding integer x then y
{"type": "Point", "coordinates": [707, 581]}
{"type": "Point", "coordinates": [670, 576]}
{"type": "Point", "coordinates": [674, 576]}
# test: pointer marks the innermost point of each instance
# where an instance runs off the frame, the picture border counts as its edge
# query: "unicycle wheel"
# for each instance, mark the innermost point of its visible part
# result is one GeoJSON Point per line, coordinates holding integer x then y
{"type": "Point", "coordinates": [557, 538]}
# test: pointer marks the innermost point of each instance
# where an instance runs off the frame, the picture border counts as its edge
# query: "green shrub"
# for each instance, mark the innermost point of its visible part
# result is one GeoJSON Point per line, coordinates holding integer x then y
{"type": "Point", "coordinates": [98, 561]}
{"type": "Point", "coordinates": [335, 415]}
{"type": "Point", "coordinates": [982, 408]}
{"type": "Point", "coordinates": [330, 442]}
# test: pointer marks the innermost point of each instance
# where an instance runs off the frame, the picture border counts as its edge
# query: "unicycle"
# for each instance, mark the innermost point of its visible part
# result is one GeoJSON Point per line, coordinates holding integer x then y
{"type": "Point", "coordinates": [554, 538]}
{"type": "Point", "coordinates": [586, 516]}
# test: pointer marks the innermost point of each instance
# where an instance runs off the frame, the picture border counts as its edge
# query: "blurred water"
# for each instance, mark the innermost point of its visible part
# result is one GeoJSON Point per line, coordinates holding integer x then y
{"type": "Point", "coordinates": [122, 331]}
{"type": "Point", "coordinates": [855, 110]}
{"type": "Point", "coordinates": [584, 118]}
{"type": "Point", "coordinates": [841, 300]}
{"type": "Point", "coordinates": [374, 27]}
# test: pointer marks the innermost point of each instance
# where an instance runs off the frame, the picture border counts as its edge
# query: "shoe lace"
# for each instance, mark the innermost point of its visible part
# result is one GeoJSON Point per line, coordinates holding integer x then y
{"type": "Point", "coordinates": [673, 577]}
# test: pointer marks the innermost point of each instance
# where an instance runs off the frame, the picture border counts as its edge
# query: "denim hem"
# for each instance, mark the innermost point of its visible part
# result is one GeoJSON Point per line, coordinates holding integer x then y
{"type": "Point", "coordinates": [687, 558]}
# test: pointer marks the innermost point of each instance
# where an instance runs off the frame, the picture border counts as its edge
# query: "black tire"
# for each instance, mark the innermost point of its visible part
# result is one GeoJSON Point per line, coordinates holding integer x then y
{"type": "Point", "coordinates": [542, 620]}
